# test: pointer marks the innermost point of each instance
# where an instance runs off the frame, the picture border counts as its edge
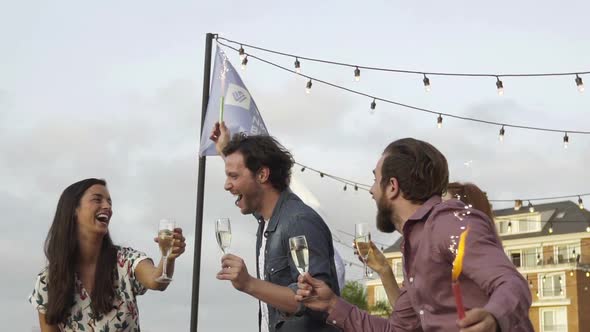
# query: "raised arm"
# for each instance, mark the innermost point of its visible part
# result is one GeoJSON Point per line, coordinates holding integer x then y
{"type": "Point", "coordinates": [350, 318]}
{"type": "Point", "coordinates": [220, 135]}
{"type": "Point", "coordinates": [378, 263]}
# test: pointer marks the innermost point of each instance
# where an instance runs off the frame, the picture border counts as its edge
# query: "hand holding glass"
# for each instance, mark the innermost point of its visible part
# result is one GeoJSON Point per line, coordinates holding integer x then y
{"type": "Point", "coordinates": [300, 255]}
{"type": "Point", "coordinates": [165, 241]}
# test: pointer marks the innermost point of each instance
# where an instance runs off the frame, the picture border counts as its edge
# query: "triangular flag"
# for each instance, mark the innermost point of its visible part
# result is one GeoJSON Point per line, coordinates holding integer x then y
{"type": "Point", "coordinates": [230, 101]}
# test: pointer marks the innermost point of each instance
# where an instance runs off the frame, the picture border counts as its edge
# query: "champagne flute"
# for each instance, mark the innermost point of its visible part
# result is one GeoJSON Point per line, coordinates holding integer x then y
{"type": "Point", "coordinates": [299, 253]}
{"type": "Point", "coordinates": [223, 234]}
{"type": "Point", "coordinates": [362, 239]}
{"type": "Point", "coordinates": [165, 241]}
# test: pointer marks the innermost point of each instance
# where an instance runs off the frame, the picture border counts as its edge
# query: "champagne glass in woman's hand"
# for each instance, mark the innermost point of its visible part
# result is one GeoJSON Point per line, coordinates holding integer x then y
{"type": "Point", "coordinates": [165, 241]}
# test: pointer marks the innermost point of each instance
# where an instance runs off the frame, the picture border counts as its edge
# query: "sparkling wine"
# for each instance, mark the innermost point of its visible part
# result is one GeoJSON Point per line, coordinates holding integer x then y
{"type": "Point", "coordinates": [165, 239]}
{"type": "Point", "coordinates": [300, 255]}
{"type": "Point", "coordinates": [363, 246]}
{"type": "Point", "coordinates": [224, 240]}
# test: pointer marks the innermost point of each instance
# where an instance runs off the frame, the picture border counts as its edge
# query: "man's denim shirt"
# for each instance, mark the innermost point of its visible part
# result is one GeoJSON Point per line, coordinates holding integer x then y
{"type": "Point", "coordinates": [291, 217]}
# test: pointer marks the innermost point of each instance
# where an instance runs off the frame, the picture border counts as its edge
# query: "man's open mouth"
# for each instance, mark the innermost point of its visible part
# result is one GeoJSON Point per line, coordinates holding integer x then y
{"type": "Point", "coordinates": [238, 199]}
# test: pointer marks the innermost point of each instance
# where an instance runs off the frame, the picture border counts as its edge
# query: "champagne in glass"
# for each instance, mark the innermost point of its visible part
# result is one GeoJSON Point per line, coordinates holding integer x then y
{"type": "Point", "coordinates": [299, 253]}
{"type": "Point", "coordinates": [165, 241]}
{"type": "Point", "coordinates": [165, 238]}
{"type": "Point", "coordinates": [223, 234]}
{"type": "Point", "coordinates": [363, 243]}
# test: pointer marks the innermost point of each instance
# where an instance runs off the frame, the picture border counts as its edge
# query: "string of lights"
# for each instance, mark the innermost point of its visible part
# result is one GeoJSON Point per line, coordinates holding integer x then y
{"type": "Point", "coordinates": [577, 79]}
{"type": "Point", "coordinates": [354, 185]}
{"type": "Point", "coordinates": [383, 245]}
{"type": "Point", "coordinates": [518, 202]}
{"type": "Point", "coordinates": [439, 119]}
{"type": "Point", "coordinates": [499, 85]}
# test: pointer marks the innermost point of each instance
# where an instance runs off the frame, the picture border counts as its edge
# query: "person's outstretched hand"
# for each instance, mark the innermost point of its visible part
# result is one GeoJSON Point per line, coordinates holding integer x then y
{"type": "Point", "coordinates": [314, 293]}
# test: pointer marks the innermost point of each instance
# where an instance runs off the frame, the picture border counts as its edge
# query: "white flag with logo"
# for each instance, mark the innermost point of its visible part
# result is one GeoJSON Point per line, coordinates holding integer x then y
{"type": "Point", "coordinates": [239, 109]}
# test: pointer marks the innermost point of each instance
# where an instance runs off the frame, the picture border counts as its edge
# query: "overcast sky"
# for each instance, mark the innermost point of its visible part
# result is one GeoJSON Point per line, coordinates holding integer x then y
{"type": "Point", "coordinates": [112, 90]}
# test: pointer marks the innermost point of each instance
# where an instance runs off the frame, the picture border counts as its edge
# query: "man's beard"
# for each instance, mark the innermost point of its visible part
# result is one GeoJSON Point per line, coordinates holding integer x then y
{"type": "Point", "coordinates": [251, 200]}
{"type": "Point", "coordinates": [385, 218]}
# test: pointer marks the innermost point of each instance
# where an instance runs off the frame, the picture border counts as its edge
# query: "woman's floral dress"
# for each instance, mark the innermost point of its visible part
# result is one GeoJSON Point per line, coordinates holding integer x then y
{"type": "Point", "coordinates": [123, 317]}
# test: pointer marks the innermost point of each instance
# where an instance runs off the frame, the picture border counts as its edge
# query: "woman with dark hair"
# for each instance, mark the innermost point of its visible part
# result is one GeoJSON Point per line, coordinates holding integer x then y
{"type": "Point", "coordinates": [468, 193]}
{"type": "Point", "coordinates": [471, 195]}
{"type": "Point", "coordinates": [90, 284]}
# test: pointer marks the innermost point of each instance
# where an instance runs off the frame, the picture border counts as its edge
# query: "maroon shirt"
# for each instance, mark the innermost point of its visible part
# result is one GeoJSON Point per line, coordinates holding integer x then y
{"type": "Point", "coordinates": [426, 303]}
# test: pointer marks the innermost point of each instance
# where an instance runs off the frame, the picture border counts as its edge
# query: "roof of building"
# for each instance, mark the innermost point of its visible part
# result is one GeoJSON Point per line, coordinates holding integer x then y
{"type": "Point", "coordinates": [563, 217]}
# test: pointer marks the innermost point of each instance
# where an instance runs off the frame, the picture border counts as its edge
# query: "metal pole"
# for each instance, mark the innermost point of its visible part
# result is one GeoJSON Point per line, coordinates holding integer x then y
{"type": "Point", "coordinates": [201, 190]}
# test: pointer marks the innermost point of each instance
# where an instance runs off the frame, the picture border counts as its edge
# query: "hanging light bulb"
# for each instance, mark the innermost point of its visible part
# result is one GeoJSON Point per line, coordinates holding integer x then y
{"type": "Point", "coordinates": [244, 62]}
{"type": "Point", "coordinates": [426, 82]}
{"type": "Point", "coordinates": [439, 121]}
{"type": "Point", "coordinates": [510, 227]}
{"type": "Point", "coordinates": [588, 274]}
{"type": "Point", "coordinates": [242, 53]}
{"type": "Point", "coordinates": [373, 105]}
{"type": "Point", "coordinates": [303, 169]}
{"type": "Point", "coordinates": [574, 253]}
{"type": "Point", "coordinates": [344, 188]}
{"type": "Point", "coordinates": [500, 86]}
{"type": "Point", "coordinates": [502, 131]}
{"type": "Point", "coordinates": [517, 204]}
{"type": "Point", "coordinates": [357, 74]}
{"type": "Point", "coordinates": [571, 273]}
{"type": "Point", "coordinates": [321, 174]}
{"type": "Point", "coordinates": [531, 207]}
{"type": "Point", "coordinates": [308, 87]}
{"type": "Point", "coordinates": [297, 66]}
{"type": "Point", "coordinates": [550, 228]}
{"type": "Point", "coordinates": [356, 188]}
{"type": "Point", "coordinates": [588, 228]}
{"type": "Point", "coordinates": [566, 140]}
{"type": "Point", "coordinates": [580, 203]}
{"type": "Point", "coordinates": [579, 83]}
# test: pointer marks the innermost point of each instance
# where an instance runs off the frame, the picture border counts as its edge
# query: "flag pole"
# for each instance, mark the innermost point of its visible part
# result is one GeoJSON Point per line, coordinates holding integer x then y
{"type": "Point", "coordinates": [201, 189]}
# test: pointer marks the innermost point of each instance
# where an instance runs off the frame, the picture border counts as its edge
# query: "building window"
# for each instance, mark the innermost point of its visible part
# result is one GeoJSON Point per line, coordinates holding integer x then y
{"type": "Point", "coordinates": [553, 320]}
{"type": "Point", "coordinates": [552, 285]}
{"type": "Point", "coordinates": [398, 269]}
{"type": "Point", "coordinates": [380, 295]}
{"type": "Point", "coordinates": [527, 257]}
{"type": "Point", "coordinates": [567, 253]}
{"type": "Point", "coordinates": [518, 224]}
{"type": "Point", "coordinates": [515, 257]}
{"type": "Point", "coordinates": [502, 226]}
